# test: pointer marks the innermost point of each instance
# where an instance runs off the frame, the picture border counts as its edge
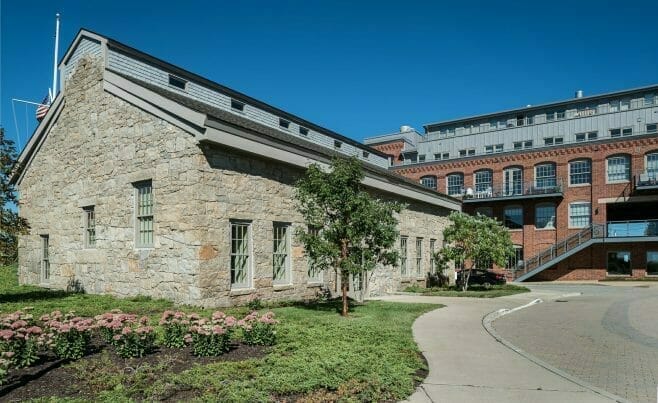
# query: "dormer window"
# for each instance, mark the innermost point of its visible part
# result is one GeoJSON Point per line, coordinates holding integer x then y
{"type": "Point", "coordinates": [177, 82]}
{"type": "Point", "coordinates": [237, 105]}
{"type": "Point", "coordinates": [337, 144]}
{"type": "Point", "coordinates": [365, 154]}
{"type": "Point", "coordinates": [285, 124]}
{"type": "Point", "coordinates": [303, 131]}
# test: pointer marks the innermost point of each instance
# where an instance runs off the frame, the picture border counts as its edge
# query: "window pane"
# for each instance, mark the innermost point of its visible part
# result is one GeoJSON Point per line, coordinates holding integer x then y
{"type": "Point", "coordinates": [429, 181]}
{"type": "Point", "coordinates": [619, 263]}
{"type": "Point", "coordinates": [579, 214]}
{"type": "Point", "coordinates": [619, 168]}
{"type": "Point", "coordinates": [545, 176]}
{"type": "Point", "coordinates": [280, 254]}
{"type": "Point", "coordinates": [545, 216]}
{"type": "Point", "coordinates": [419, 257]}
{"type": "Point", "coordinates": [513, 181]}
{"type": "Point", "coordinates": [239, 254]}
{"type": "Point", "coordinates": [652, 165]}
{"type": "Point", "coordinates": [580, 172]}
{"type": "Point", "coordinates": [652, 263]}
{"type": "Point", "coordinates": [483, 181]}
{"type": "Point", "coordinates": [513, 217]}
{"type": "Point", "coordinates": [403, 256]}
{"type": "Point", "coordinates": [455, 184]}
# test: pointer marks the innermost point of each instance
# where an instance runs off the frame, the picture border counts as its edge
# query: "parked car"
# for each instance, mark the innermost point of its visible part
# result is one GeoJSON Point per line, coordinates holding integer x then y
{"type": "Point", "coordinates": [483, 277]}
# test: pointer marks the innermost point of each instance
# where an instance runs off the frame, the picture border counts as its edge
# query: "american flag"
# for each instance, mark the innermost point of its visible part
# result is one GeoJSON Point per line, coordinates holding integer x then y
{"type": "Point", "coordinates": [43, 107]}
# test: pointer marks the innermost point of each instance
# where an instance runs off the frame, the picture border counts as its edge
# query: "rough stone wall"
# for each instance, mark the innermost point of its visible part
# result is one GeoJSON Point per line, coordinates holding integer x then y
{"type": "Point", "coordinates": [101, 145]}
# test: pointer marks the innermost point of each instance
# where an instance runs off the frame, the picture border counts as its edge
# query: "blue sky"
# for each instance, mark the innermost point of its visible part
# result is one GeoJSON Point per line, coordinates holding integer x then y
{"type": "Point", "coordinates": [357, 67]}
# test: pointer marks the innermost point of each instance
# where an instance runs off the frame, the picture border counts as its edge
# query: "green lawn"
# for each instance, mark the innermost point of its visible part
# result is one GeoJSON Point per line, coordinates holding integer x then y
{"type": "Point", "coordinates": [319, 356]}
{"type": "Point", "coordinates": [473, 291]}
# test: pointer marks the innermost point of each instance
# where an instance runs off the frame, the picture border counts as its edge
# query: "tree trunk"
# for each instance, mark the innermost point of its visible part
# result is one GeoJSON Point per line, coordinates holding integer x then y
{"type": "Point", "coordinates": [345, 278]}
{"type": "Point", "coordinates": [468, 277]}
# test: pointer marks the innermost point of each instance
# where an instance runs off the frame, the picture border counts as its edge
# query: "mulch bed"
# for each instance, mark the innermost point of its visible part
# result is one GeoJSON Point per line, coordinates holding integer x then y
{"type": "Point", "coordinates": [51, 376]}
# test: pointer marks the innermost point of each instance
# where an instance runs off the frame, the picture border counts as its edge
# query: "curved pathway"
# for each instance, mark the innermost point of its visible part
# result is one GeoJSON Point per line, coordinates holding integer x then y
{"type": "Point", "coordinates": [468, 365]}
{"type": "Point", "coordinates": [607, 337]}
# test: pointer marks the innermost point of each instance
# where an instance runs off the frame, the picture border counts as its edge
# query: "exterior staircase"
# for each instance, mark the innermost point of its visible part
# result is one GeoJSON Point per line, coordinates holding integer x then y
{"type": "Point", "coordinates": [558, 252]}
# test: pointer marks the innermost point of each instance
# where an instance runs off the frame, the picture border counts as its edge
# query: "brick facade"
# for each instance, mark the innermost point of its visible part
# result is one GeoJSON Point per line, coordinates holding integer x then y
{"type": "Point", "coordinates": [599, 193]}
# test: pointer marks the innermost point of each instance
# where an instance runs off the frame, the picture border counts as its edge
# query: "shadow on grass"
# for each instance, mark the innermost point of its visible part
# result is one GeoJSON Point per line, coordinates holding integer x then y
{"type": "Point", "coordinates": [33, 295]}
{"type": "Point", "coordinates": [332, 305]}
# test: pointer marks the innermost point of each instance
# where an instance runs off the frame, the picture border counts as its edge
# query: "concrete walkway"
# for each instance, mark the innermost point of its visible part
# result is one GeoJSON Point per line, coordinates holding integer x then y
{"type": "Point", "coordinates": [468, 365]}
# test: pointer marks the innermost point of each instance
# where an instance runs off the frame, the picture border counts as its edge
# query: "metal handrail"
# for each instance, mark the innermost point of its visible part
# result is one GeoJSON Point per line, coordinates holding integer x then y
{"type": "Point", "coordinates": [515, 189]}
{"type": "Point", "coordinates": [560, 248]}
{"type": "Point", "coordinates": [634, 228]}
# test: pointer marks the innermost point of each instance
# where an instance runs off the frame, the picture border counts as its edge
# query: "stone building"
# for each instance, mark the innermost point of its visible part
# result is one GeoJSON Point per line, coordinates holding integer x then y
{"type": "Point", "coordinates": [575, 181]}
{"type": "Point", "coordinates": [146, 179]}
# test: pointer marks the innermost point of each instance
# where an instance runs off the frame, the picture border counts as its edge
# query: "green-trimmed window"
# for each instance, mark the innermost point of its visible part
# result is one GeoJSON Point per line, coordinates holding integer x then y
{"type": "Point", "coordinates": [403, 255]}
{"type": "Point", "coordinates": [90, 226]}
{"type": "Point", "coordinates": [419, 257]}
{"type": "Point", "coordinates": [45, 257]}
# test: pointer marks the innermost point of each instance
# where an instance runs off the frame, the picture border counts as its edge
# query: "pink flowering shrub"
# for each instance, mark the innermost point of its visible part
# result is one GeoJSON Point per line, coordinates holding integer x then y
{"type": "Point", "coordinates": [174, 326]}
{"type": "Point", "coordinates": [136, 339]}
{"type": "Point", "coordinates": [111, 324]}
{"type": "Point", "coordinates": [20, 336]}
{"type": "Point", "coordinates": [259, 330]}
{"type": "Point", "coordinates": [68, 334]}
{"type": "Point", "coordinates": [6, 360]}
{"type": "Point", "coordinates": [210, 337]}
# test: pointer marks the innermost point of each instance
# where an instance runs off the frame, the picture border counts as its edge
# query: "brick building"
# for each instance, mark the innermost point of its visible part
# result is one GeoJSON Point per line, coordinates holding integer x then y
{"type": "Point", "coordinates": [576, 181]}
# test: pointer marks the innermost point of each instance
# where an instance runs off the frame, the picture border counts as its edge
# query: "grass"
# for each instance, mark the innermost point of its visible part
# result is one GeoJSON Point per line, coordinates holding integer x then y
{"type": "Point", "coordinates": [474, 291]}
{"type": "Point", "coordinates": [320, 356]}
{"type": "Point", "coordinates": [626, 278]}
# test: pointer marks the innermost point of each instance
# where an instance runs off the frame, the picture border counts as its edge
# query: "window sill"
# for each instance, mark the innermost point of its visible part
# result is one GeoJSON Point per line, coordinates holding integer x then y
{"type": "Point", "coordinates": [283, 287]}
{"type": "Point", "coordinates": [583, 227]}
{"type": "Point", "coordinates": [515, 229]}
{"type": "Point", "coordinates": [241, 291]}
{"type": "Point", "coordinates": [580, 185]}
{"type": "Point", "coordinates": [545, 229]}
{"type": "Point", "coordinates": [617, 182]}
{"type": "Point", "coordinates": [315, 284]}
{"type": "Point", "coordinates": [618, 275]}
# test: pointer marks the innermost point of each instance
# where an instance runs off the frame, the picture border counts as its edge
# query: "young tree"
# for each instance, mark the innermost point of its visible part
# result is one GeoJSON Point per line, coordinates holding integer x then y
{"type": "Point", "coordinates": [10, 223]}
{"type": "Point", "coordinates": [348, 230]}
{"type": "Point", "coordinates": [470, 239]}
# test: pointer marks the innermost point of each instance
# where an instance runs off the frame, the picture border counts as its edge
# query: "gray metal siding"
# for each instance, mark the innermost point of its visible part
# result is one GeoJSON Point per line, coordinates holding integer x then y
{"type": "Point", "coordinates": [637, 117]}
{"type": "Point", "coordinates": [125, 64]}
{"type": "Point", "coordinates": [85, 47]}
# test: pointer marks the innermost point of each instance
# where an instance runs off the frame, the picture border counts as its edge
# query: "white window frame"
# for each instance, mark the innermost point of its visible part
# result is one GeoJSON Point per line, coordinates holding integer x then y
{"type": "Point", "coordinates": [627, 168]}
{"type": "Point", "coordinates": [45, 258]}
{"type": "Point", "coordinates": [432, 251]}
{"type": "Point", "coordinates": [589, 183]}
{"type": "Point", "coordinates": [404, 247]}
{"type": "Point", "coordinates": [281, 255]}
{"type": "Point", "coordinates": [483, 186]}
{"type": "Point", "coordinates": [448, 185]}
{"type": "Point", "coordinates": [428, 180]}
{"type": "Point", "coordinates": [89, 220]}
{"type": "Point", "coordinates": [651, 157]}
{"type": "Point", "coordinates": [550, 224]}
{"type": "Point", "coordinates": [513, 186]}
{"type": "Point", "coordinates": [248, 277]}
{"type": "Point", "coordinates": [419, 257]}
{"type": "Point", "coordinates": [545, 178]}
{"type": "Point", "coordinates": [571, 216]}
{"type": "Point", "coordinates": [315, 275]}
{"type": "Point", "coordinates": [144, 214]}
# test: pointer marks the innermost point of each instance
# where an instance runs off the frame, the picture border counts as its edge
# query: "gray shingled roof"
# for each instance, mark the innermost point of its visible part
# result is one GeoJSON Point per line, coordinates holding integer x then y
{"type": "Point", "coordinates": [236, 120]}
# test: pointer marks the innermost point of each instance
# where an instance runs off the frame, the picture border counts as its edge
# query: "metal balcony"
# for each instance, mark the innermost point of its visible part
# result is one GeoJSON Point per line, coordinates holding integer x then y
{"type": "Point", "coordinates": [633, 228]}
{"type": "Point", "coordinates": [646, 181]}
{"type": "Point", "coordinates": [516, 190]}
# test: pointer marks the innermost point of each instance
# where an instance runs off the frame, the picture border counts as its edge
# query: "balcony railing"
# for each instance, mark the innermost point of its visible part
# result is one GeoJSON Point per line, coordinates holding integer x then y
{"type": "Point", "coordinates": [516, 190]}
{"type": "Point", "coordinates": [634, 228]}
{"type": "Point", "coordinates": [646, 180]}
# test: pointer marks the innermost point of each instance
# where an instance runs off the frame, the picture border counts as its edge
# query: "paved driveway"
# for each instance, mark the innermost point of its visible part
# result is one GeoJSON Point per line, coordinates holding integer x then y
{"type": "Point", "coordinates": [607, 337]}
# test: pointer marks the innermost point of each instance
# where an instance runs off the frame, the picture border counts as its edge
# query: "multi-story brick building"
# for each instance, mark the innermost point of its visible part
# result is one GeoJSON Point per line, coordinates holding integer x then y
{"type": "Point", "coordinates": [576, 181]}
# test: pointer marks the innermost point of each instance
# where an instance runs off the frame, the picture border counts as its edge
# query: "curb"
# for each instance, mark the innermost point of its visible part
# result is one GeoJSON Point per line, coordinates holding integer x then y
{"type": "Point", "coordinates": [487, 322]}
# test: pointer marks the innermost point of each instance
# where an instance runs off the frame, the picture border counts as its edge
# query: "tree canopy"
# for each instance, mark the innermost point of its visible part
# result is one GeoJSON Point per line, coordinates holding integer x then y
{"type": "Point", "coordinates": [348, 230]}
{"type": "Point", "coordinates": [11, 224]}
{"type": "Point", "coordinates": [471, 239]}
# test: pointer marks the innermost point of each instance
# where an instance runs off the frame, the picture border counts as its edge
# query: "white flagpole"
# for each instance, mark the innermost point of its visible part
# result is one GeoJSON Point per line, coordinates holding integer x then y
{"type": "Point", "coordinates": [54, 90]}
